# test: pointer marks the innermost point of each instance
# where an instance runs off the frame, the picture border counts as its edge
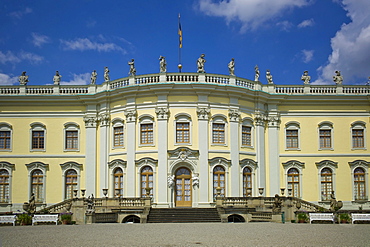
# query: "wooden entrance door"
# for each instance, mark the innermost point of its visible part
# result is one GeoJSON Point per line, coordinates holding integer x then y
{"type": "Point", "coordinates": [183, 187]}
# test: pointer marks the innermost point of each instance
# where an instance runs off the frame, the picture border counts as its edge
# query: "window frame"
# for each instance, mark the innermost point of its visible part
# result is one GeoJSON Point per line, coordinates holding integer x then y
{"type": "Point", "coordinates": [118, 123]}
{"type": "Point", "coordinates": [37, 166]}
{"type": "Point", "coordinates": [326, 126]}
{"type": "Point", "coordinates": [219, 173]}
{"type": "Point", "coordinates": [219, 120]}
{"type": "Point", "coordinates": [252, 165]}
{"type": "Point", "coordinates": [293, 126]}
{"type": "Point", "coordinates": [182, 118]}
{"type": "Point", "coordinates": [247, 122]}
{"type": "Point", "coordinates": [298, 165]}
{"type": "Point", "coordinates": [73, 183]}
{"type": "Point", "coordinates": [71, 127]}
{"type": "Point", "coordinates": [146, 120]}
{"type": "Point", "coordinates": [364, 165]}
{"type": "Point", "coordinates": [38, 127]}
{"type": "Point", "coordinates": [9, 168]}
{"type": "Point", "coordinates": [113, 165]}
{"type": "Point", "coordinates": [66, 167]}
{"type": "Point", "coordinates": [358, 125]}
{"type": "Point", "coordinates": [5, 127]}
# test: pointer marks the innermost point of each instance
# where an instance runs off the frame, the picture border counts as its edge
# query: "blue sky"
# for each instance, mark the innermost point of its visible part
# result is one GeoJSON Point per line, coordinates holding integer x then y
{"type": "Point", "coordinates": [285, 36]}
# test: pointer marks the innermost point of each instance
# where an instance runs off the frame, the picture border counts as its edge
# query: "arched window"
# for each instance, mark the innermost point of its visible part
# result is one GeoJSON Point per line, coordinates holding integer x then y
{"type": "Point", "coordinates": [146, 180]}
{"type": "Point", "coordinates": [4, 186]}
{"type": "Point", "coordinates": [118, 182]}
{"type": "Point", "coordinates": [326, 184]}
{"type": "Point", "coordinates": [293, 181]}
{"type": "Point", "coordinates": [247, 181]}
{"type": "Point", "coordinates": [219, 180]}
{"type": "Point", "coordinates": [71, 183]}
{"type": "Point", "coordinates": [360, 188]}
{"type": "Point", "coordinates": [37, 185]}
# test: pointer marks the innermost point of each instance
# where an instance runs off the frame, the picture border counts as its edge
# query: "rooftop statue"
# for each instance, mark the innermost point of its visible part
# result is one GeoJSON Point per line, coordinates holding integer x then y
{"type": "Point", "coordinates": [56, 78]}
{"type": "Point", "coordinates": [132, 71]}
{"type": "Point", "coordinates": [106, 74]}
{"type": "Point", "coordinates": [23, 79]}
{"type": "Point", "coordinates": [93, 77]}
{"type": "Point", "coordinates": [269, 77]}
{"type": "Point", "coordinates": [162, 64]}
{"type": "Point", "coordinates": [200, 64]}
{"type": "Point", "coordinates": [257, 73]}
{"type": "Point", "coordinates": [338, 78]}
{"type": "Point", "coordinates": [305, 77]}
{"type": "Point", "coordinates": [231, 67]}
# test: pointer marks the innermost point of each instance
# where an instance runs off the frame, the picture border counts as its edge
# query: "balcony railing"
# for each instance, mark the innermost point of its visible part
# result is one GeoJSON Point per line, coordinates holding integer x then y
{"type": "Point", "coordinates": [203, 78]}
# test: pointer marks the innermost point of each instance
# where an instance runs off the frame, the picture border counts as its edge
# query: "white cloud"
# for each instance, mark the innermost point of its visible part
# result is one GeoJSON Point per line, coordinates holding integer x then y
{"type": "Point", "coordinates": [306, 23]}
{"type": "Point", "coordinates": [84, 44]}
{"type": "Point", "coordinates": [10, 57]}
{"type": "Point", "coordinates": [39, 39]}
{"type": "Point", "coordinates": [78, 79]}
{"type": "Point", "coordinates": [307, 55]}
{"type": "Point", "coordinates": [252, 13]}
{"type": "Point", "coordinates": [19, 14]}
{"type": "Point", "coordinates": [285, 25]}
{"type": "Point", "coordinates": [350, 46]}
{"type": "Point", "coordinates": [7, 79]}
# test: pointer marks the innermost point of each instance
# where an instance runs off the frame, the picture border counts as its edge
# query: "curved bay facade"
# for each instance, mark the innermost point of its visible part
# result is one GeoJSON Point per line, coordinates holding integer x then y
{"type": "Point", "coordinates": [183, 138]}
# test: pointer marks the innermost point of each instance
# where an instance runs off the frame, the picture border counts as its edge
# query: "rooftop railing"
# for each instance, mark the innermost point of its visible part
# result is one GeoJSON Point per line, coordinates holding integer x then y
{"type": "Point", "coordinates": [142, 80]}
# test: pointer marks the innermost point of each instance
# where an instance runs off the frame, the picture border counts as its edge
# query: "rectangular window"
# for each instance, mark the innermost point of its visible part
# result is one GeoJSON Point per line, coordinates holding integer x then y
{"type": "Point", "coordinates": [182, 133]}
{"type": "Point", "coordinates": [246, 136]}
{"type": "Point", "coordinates": [292, 138]}
{"type": "Point", "coordinates": [358, 138]}
{"type": "Point", "coordinates": [38, 141]}
{"type": "Point", "coordinates": [71, 139]}
{"type": "Point", "coordinates": [118, 136]}
{"type": "Point", "coordinates": [218, 133]}
{"type": "Point", "coordinates": [4, 139]}
{"type": "Point", "coordinates": [325, 138]}
{"type": "Point", "coordinates": [146, 133]}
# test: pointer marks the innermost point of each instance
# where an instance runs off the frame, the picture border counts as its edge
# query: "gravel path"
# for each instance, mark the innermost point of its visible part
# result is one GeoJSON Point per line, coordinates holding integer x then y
{"type": "Point", "coordinates": [191, 234]}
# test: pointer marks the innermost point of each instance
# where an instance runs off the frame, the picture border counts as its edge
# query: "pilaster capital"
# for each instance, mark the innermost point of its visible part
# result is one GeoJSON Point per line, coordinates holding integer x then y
{"type": "Point", "coordinates": [203, 113]}
{"type": "Point", "coordinates": [260, 119]}
{"type": "Point", "coordinates": [162, 112]}
{"type": "Point", "coordinates": [234, 115]}
{"type": "Point", "coordinates": [104, 118]}
{"type": "Point", "coordinates": [90, 121]}
{"type": "Point", "coordinates": [130, 115]}
{"type": "Point", "coordinates": [274, 120]}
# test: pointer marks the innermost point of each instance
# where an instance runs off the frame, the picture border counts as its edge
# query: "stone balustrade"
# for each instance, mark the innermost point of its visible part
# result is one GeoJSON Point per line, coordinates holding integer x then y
{"type": "Point", "coordinates": [185, 78]}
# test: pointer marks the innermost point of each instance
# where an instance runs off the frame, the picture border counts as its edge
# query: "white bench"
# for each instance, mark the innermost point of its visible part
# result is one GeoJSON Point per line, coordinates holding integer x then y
{"type": "Point", "coordinates": [45, 218]}
{"type": "Point", "coordinates": [8, 219]}
{"type": "Point", "coordinates": [360, 217]}
{"type": "Point", "coordinates": [321, 216]}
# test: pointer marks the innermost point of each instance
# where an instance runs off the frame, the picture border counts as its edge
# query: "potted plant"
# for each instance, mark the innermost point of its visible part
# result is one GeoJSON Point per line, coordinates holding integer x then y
{"type": "Point", "coordinates": [24, 219]}
{"type": "Point", "coordinates": [344, 218]}
{"type": "Point", "coordinates": [66, 218]}
{"type": "Point", "coordinates": [302, 217]}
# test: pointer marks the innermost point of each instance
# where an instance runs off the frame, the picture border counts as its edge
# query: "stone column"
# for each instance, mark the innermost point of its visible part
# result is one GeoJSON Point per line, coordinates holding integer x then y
{"type": "Point", "coordinates": [131, 147]}
{"type": "Point", "coordinates": [273, 152]}
{"type": "Point", "coordinates": [203, 142]}
{"type": "Point", "coordinates": [162, 130]}
{"type": "Point", "coordinates": [104, 119]}
{"type": "Point", "coordinates": [90, 155]}
{"type": "Point", "coordinates": [234, 116]}
{"type": "Point", "coordinates": [260, 151]}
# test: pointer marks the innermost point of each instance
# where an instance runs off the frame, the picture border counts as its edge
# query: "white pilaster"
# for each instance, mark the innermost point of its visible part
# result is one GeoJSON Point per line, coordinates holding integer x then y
{"type": "Point", "coordinates": [260, 151]}
{"type": "Point", "coordinates": [90, 156]}
{"type": "Point", "coordinates": [234, 116]}
{"type": "Point", "coordinates": [203, 115]}
{"type": "Point", "coordinates": [104, 119]}
{"type": "Point", "coordinates": [131, 146]}
{"type": "Point", "coordinates": [162, 123]}
{"type": "Point", "coordinates": [273, 153]}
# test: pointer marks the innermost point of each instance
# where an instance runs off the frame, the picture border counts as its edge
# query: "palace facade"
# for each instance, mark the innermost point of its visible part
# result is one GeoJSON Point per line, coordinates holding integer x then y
{"type": "Point", "coordinates": [183, 138]}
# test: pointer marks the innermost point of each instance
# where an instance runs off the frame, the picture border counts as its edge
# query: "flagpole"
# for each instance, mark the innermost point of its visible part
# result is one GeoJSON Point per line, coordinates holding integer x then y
{"type": "Point", "coordinates": [180, 45]}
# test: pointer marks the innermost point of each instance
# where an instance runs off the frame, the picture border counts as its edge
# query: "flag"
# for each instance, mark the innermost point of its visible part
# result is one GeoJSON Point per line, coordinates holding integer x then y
{"type": "Point", "coordinates": [180, 34]}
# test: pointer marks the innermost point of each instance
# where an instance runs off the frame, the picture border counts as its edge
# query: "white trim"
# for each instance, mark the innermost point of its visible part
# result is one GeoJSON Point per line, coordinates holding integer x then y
{"type": "Point", "coordinates": [326, 164]}
{"type": "Point", "coordinates": [37, 166]}
{"type": "Point", "coordinates": [252, 165]}
{"type": "Point", "coordinates": [219, 119]}
{"type": "Point", "coordinates": [118, 122]}
{"type": "Point", "coordinates": [146, 119]}
{"type": "Point", "coordinates": [182, 118]}
{"type": "Point", "coordinates": [358, 125]}
{"type": "Point", "coordinates": [326, 125]}
{"type": "Point", "coordinates": [224, 163]}
{"type": "Point", "coordinates": [247, 122]}
{"type": "Point", "coordinates": [364, 165]}
{"type": "Point", "coordinates": [9, 168]}
{"type": "Point", "coordinates": [292, 125]}
{"type": "Point", "coordinates": [299, 166]}
{"type": "Point", "coordinates": [36, 126]}
{"type": "Point", "coordinates": [112, 166]}
{"type": "Point", "coordinates": [70, 166]}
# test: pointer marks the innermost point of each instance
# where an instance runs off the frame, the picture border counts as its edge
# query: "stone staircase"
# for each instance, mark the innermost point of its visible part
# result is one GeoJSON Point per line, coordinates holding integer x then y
{"type": "Point", "coordinates": [183, 215]}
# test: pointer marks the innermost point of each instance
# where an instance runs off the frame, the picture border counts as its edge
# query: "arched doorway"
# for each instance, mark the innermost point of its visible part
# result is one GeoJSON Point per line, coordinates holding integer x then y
{"type": "Point", "coordinates": [183, 187]}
